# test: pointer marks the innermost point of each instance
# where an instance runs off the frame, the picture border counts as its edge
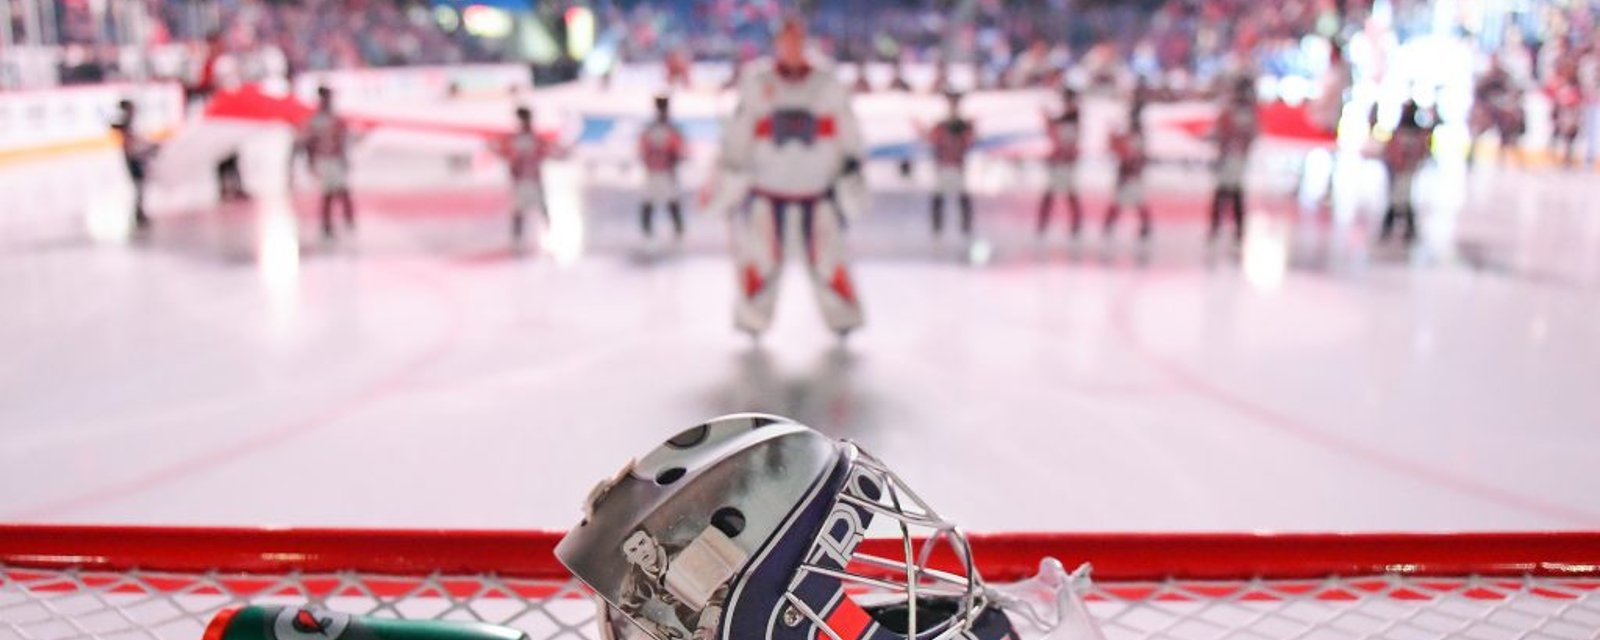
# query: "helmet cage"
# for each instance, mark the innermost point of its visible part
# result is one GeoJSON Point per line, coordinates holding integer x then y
{"type": "Point", "coordinates": [908, 581]}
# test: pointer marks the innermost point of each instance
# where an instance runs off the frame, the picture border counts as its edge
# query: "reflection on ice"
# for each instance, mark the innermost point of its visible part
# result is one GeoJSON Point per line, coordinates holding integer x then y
{"type": "Point", "coordinates": [108, 213]}
{"type": "Point", "coordinates": [1264, 257]}
{"type": "Point", "coordinates": [278, 254]}
{"type": "Point", "coordinates": [563, 236]}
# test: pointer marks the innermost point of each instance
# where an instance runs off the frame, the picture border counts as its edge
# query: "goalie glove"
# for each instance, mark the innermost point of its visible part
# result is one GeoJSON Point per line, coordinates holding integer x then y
{"type": "Point", "coordinates": [728, 187]}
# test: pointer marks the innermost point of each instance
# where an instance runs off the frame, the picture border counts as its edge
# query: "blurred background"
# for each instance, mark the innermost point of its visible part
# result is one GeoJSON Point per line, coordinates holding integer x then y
{"type": "Point", "coordinates": [219, 358]}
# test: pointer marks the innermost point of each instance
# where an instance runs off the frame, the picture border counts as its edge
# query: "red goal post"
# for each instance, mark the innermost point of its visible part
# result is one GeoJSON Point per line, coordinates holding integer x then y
{"type": "Point", "coordinates": [166, 582]}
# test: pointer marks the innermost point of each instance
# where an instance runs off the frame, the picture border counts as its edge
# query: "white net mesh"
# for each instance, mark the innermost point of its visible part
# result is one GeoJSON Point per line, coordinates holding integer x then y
{"type": "Point", "coordinates": [60, 604]}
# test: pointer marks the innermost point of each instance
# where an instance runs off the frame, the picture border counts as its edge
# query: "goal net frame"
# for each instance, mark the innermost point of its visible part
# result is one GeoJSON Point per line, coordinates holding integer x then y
{"type": "Point", "coordinates": [59, 582]}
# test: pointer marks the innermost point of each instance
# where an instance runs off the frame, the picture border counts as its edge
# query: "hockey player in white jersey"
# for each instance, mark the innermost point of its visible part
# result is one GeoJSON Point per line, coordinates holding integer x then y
{"type": "Point", "coordinates": [791, 155]}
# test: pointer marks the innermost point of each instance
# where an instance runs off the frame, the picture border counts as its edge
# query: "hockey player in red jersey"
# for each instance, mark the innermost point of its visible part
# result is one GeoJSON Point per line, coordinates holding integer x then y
{"type": "Point", "coordinates": [952, 139]}
{"type": "Point", "coordinates": [1403, 155]}
{"type": "Point", "coordinates": [1128, 146]}
{"type": "Point", "coordinates": [525, 153]}
{"type": "Point", "coordinates": [1566, 109]}
{"type": "Point", "coordinates": [1236, 130]}
{"type": "Point", "coordinates": [1063, 131]}
{"type": "Point", "coordinates": [661, 150]}
{"type": "Point", "coordinates": [791, 154]}
{"type": "Point", "coordinates": [677, 66]}
{"type": "Point", "coordinates": [326, 142]}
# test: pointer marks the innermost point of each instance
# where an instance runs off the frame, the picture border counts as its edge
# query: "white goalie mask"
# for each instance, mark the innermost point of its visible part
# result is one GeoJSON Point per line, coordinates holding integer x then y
{"type": "Point", "coordinates": [752, 527]}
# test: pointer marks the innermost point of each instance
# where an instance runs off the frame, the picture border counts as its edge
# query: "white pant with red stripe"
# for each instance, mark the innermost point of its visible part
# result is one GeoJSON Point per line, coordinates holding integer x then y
{"type": "Point", "coordinates": [763, 232]}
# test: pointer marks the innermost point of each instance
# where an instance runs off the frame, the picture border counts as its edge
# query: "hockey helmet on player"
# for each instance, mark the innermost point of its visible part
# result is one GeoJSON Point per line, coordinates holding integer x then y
{"type": "Point", "coordinates": [789, 47]}
{"type": "Point", "coordinates": [953, 99]}
{"type": "Point", "coordinates": [125, 112]}
{"type": "Point", "coordinates": [1069, 104]}
{"type": "Point", "coordinates": [747, 528]}
{"type": "Point", "coordinates": [1244, 89]}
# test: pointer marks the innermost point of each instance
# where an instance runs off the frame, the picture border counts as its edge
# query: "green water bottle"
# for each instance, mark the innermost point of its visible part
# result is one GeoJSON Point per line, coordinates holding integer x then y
{"type": "Point", "coordinates": [256, 622]}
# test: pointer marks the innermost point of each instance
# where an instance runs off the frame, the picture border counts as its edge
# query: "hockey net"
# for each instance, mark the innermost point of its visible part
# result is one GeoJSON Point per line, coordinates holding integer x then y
{"type": "Point", "coordinates": [121, 582]}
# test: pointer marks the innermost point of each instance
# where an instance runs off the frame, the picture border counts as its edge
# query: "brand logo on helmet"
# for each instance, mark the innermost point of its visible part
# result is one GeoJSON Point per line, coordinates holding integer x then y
{"type": "Point", "coordinates": [843, 530]}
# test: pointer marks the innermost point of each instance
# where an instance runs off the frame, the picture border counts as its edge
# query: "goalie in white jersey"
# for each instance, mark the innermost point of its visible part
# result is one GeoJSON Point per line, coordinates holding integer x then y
{"type": "Point", "coordinates": [791, 153]}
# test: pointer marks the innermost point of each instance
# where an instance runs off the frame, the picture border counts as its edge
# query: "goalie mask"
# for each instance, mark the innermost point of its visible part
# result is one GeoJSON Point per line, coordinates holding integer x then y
{"type": "Point", "coordinates": [749, 528]}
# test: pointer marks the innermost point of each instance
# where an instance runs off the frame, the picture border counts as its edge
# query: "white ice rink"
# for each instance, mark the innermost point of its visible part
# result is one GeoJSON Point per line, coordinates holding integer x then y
{"type": "Point", "coordinates": [233, 369]}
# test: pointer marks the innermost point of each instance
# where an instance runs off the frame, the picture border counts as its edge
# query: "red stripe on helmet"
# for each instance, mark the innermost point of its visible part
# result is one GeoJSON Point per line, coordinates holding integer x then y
{"type": "Point", "coordinates": [847, 619]}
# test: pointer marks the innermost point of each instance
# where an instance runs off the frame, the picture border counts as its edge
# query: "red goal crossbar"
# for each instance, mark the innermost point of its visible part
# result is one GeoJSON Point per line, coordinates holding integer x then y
{"type": "Point", "coordinates": [161, 583]}
{"type": "Point", "coordinates": [1116, 557]}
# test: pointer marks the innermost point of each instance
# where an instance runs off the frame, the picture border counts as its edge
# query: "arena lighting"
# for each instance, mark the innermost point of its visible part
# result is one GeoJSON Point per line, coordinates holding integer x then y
{"type": "Point", "coordinates": [536, 42]}
{"type": "Point", "coordinates": [580, 32]}
{"type": "Point", "coordinates": [446, 17]}
{"type": "Point", "coordinates": [278, 258]}
{"type": "Point", "coordinates": [485, 21]}
{"type": "Point", "coordinates": [564, 238]}
{"type": "Point", "coordinates": [1264, 257]}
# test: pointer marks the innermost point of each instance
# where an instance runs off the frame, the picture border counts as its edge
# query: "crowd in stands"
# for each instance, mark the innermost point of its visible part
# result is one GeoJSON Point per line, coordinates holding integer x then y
{"type": "Point", "coordinates": [1009, 42]}
{"type": "Point", "coordinates": [1006, 42]}
{"type": "Point", "coordinates": [272, 37]}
